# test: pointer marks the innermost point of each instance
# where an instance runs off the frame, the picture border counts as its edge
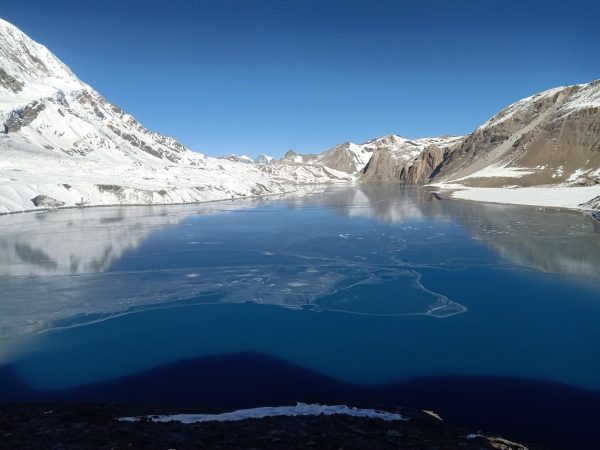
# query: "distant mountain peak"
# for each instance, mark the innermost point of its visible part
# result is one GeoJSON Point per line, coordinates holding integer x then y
{"type": "Point", "coordinates": [240, 158]}
{"type": "Point", "coordinates": [263, 159]}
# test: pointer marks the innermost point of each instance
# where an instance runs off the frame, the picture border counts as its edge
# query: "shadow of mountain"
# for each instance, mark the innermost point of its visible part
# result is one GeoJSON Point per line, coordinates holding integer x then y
{"type": "Point", "coordinates": [556, 415]}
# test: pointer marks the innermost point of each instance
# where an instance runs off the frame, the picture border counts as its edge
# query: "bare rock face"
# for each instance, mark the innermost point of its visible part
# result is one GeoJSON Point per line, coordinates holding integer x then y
{"type": "Point", "coordinates": [353, 158]}
{"type": "Point", "coordinates": [44, 200]}
{"type": "Point", "coordinates": [22, 117]}
{"type": "Point", "coordinates": [420, 170]}
{"type": "Point", "coordinates": [9, 82]}
{"type": "Point", "coordinates": [499, 134]}
{"type": "Point", "coordinates": [384, 166]}
{"type": "Point", "coordinates": [293, 157]}
{"type": "Point", "coordinates": [549, 138]}
{"type": "Point", "coordinates": [346, 157]}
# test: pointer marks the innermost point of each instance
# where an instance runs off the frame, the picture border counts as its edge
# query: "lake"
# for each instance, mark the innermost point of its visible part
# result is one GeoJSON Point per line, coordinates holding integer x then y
{"type": "Point", "coordinates": [488, 314]}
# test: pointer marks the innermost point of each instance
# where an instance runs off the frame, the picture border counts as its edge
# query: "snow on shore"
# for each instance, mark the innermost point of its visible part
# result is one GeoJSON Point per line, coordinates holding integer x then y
{"type": "Point", "coordinates": [300, 409]}
{"type": "Point", "coordinates": [26, 173]}
{"type": "Point", "coordinates": [62, 145]}
{"type": "Point", "coordinates": [573, 197]}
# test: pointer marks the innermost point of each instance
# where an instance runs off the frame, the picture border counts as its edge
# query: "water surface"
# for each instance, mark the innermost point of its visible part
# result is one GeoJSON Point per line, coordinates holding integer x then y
{"type": "Point", "coordinates": [363, 285]}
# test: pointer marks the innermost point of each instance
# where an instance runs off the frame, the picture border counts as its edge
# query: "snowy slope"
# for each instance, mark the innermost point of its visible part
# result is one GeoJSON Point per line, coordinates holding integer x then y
{"type": "Point", "coordinates": [240, 158]}
{"type": "Point", "coordinates": [64, 144]}
{"type": "Point", "coordinates": [260, 159]}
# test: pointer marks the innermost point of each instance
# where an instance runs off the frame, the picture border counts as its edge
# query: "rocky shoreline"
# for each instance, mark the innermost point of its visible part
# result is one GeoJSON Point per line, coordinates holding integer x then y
{"type": "Point", "coordinates": [62, 426]}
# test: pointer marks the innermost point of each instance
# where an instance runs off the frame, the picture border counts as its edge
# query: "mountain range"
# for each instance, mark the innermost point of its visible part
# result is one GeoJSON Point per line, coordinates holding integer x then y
{"type": "Point", "coordinates": [551, 138]}
{"type": "Point", "coordinates": [64, 144]}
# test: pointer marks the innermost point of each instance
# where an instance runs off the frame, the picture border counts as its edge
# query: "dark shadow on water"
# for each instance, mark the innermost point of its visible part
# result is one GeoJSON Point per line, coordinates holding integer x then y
{"type": "Point", "coordinates": [555, 415]}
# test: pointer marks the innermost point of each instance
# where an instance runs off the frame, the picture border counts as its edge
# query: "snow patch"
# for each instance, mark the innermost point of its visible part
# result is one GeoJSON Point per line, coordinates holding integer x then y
{"type": "Point", "coordinates": [300, 409]}
{"type": "Point", "coordinates": [577, 175]}
{"type": "Point", "coordinates": [499, 171]}
{"type": "Point", "coordinates": [433, 414]}
{"type": "Point", "coordinates": [559, 172]}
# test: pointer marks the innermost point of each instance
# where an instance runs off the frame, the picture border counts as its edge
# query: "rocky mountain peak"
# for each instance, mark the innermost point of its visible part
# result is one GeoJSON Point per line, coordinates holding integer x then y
{"type": "Point", "coordinates": [290, 153]}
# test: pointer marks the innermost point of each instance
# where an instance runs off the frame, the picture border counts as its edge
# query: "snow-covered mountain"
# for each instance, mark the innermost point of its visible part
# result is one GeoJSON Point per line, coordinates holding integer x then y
{"type": "Point", "coordinates": [409, 149]}
{"type": "Point", "coordinates": [549, 138]}
{"type": "Point", "coordinates": [43, 104]}
{"type": "Point", "coordinates": [63, 144]}
{"type": "Point", "coordinates": [293, 157]}
{"type": "Point", "coordinates": [353, 158]}
{"type": "Point", "coordinates": [400, 160]}
{"type": "Point", "coordinates": [347, 157]}
{"type": "Point", "coordinates": [541, 150]}
{"type": "Point", "coordinates": [263, 159]}
{"type": "Point", "coordinates": [240, 158]}
{"type": "Point", "coordinates": [260, 159]}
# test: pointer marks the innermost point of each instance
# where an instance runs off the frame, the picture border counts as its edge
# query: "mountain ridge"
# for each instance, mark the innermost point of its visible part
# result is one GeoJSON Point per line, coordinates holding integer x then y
{"type": "Point", "coordinates": [66, 145]}
{"type": "Point", "coordinates": [541, 145]}
{"type": "Point", "coordinates": [63, 144]}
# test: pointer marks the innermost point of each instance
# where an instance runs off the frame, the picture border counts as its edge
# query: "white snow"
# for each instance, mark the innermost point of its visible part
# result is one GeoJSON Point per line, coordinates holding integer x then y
{"type": "Point", "coordinates": [499, 171]}
{"type": "Point", "coordinates": [548, 196]}
{"type": "Point", "coordinates": [475, 436]}
{"type": "Point", "coordinates": [433, 414]}
{"type": "Point", "coordinates": [300, 409]}
{"type": "Point", "coordinates": [588, 96]}
{"type": "Point", "coordinates": [409, 149]}
{"type": "Point", "coordinates": [577, 174]}
{"type": "Point", "coordinates": [359, 154]}
{"type": "Point", "coordinates": [240, 158]}
{"type": "Point", "coordinates": [263, 159]}
{"type": "Point", "coordinates": [81, 150]}
{"type": "Point", "coordinates": [82, 180]}
{"type": "Point", "coordinates": [559, 172]}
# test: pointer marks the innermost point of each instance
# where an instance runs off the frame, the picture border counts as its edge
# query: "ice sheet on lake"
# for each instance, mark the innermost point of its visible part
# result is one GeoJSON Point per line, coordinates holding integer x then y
{"type": "Point", "coordinates": [58, 269]}
{"type": "Point", "coordinates": [64, 301]}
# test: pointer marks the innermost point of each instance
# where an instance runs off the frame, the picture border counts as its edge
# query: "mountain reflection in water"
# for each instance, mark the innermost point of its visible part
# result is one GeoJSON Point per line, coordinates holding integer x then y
{"type": "Point", "coordinates": [311, 249]}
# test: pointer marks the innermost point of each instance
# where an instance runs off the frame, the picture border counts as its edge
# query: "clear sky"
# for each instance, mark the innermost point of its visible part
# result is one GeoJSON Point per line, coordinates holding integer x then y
{"type": "Point", "coordinates": [263, 76]}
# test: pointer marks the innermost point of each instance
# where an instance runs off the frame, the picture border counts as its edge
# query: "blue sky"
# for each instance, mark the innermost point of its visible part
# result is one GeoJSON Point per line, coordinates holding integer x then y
{"type": "Point", "coordinates": [263, 76]}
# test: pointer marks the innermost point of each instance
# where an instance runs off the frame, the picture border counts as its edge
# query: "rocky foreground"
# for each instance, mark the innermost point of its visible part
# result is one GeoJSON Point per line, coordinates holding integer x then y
{"type": "Point", "coordinates": [84, 426]}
